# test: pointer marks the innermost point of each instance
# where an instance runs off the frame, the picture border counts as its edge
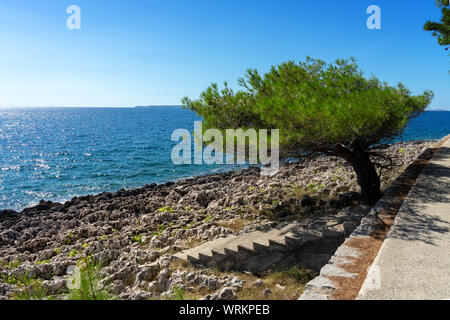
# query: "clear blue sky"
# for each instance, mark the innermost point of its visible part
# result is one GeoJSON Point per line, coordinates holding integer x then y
{"type": "Point", "coordinates": [155, 52]}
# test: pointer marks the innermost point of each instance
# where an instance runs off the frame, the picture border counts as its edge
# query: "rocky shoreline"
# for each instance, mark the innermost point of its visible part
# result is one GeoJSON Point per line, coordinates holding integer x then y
{"type": "Point", "coordinates": [134, 233]}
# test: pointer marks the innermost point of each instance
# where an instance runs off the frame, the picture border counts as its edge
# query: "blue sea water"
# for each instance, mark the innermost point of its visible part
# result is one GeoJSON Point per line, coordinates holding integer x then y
{"type": "Point", "coordinates": [58, 153]}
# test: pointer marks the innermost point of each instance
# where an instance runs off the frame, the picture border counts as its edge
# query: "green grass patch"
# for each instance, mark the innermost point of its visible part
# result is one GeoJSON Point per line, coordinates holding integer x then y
{"type": "Point", "coordinates": [10, 265]}
{"type": "Point", "coordinates": [102, 238]}
{"type": "Point", "coordinates": [165, 209]}
{"type": "Point", "coordinates": [138, 239]}
{"type": "Point", "coordinates": [301, 275]}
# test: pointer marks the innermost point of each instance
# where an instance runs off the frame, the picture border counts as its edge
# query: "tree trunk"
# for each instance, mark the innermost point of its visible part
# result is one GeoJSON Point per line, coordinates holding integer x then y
{"type": "Point", "coordinates": [366, 174]}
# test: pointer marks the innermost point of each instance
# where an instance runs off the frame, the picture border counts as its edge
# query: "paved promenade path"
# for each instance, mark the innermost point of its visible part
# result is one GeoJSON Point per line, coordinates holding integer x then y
{"type": "Point", "coordinates": [414, 260]}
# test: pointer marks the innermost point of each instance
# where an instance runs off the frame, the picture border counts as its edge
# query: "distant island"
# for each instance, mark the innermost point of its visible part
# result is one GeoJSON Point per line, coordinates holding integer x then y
{"type": "Point", "coordinates": [168, 106]}
{"type": "Point", "coordinates": [162, 106]}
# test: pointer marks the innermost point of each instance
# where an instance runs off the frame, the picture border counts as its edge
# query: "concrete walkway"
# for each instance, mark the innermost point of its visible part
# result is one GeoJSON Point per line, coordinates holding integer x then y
{"type": "Point", "coordinates": [414, 260]}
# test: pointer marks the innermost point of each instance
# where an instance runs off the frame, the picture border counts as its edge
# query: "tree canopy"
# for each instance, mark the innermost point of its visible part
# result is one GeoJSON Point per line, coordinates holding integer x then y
{"type": "Point", "coordinates": [315, 105]}
{"type": "Point", "coordinates": [441, 29]}
{"type": "Point", "coordinates": [318, 108]}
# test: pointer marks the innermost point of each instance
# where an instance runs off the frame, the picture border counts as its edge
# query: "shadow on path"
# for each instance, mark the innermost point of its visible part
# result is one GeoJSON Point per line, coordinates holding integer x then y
{"type": "Point", "coordinates": [418, 222]}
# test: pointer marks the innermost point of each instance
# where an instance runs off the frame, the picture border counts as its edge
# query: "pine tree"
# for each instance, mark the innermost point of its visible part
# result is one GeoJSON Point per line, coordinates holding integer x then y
{"type": "Point", "coordinates": [319, 108]}
{"type": "Point", "coordinates": [441, 29]}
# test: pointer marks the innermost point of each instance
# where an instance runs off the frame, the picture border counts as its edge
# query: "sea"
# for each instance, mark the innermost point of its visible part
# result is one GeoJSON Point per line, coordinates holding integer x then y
{"type": "Point", "coordinates": [59, 153]}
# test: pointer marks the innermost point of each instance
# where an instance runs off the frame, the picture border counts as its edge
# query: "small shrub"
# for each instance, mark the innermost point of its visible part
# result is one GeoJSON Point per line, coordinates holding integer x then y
{"type": "Point", "coordinates": [157, 234]}
{"type": "Point", "coordinates": [69, 239]}
{"type": "Point", "coordinates": [311, 186]}
{"type": "Point", "coordinates": [73, 253]}
{"type": "Point", "coordinates": [9, 279]}
{"type": "Point", "coordinates": [179, 293]}
{"type": "Point", "coordinates": [301, 274]}
{"type": "Point", "coordinates": [85, 283]}
{"type": "Point", "coordinates": [31, 288]}
{"type": "Point", "coordinates": [138, 239]}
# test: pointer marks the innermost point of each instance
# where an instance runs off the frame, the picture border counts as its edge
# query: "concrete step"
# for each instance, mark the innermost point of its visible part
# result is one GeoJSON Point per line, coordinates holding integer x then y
{"type": "Point", "coordinates": [230, 252]}
{"type": "Point", "coordinates": [203, 248]}
{"type": "Point", "coordinates": [293, 243]}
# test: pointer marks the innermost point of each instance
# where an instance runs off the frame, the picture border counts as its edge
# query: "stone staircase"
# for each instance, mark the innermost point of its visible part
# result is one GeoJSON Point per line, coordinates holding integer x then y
{"type": "Point", "coordinates": [309, 243]}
